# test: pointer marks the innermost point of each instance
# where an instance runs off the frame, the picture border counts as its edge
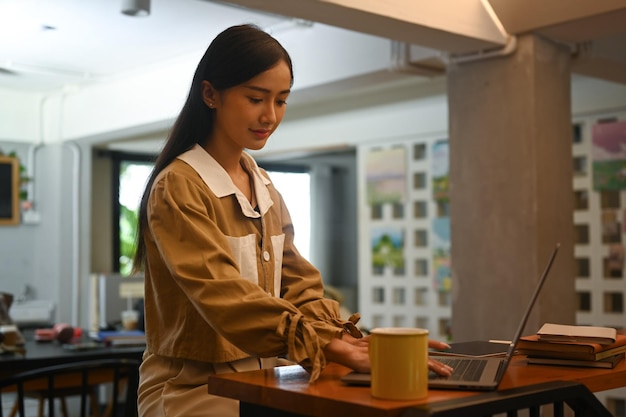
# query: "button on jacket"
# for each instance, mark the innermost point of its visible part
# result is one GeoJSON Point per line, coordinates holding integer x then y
{"type": "Point", "coordinates": [223, 279]}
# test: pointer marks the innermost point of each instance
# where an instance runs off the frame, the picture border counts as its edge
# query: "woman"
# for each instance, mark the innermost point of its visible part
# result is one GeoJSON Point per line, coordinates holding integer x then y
{"type": "Point", "coordinates": [225, 288]}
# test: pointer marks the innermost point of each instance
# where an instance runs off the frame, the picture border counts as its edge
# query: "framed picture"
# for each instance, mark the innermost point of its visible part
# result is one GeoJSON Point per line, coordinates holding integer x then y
{"type": "Point", "coordinates": [9, 191]}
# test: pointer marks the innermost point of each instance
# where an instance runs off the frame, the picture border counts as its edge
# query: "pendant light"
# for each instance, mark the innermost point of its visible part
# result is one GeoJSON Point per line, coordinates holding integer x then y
{"type": "Point", "coordinates": [136, 8]}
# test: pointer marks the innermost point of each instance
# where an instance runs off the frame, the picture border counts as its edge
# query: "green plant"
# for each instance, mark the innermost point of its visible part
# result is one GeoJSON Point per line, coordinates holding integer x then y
{"type": "Point", "coordinates": [128, 230]}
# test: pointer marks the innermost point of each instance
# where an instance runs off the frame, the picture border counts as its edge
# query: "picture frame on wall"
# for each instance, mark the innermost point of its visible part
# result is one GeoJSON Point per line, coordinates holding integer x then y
{"type": "Point", "coordinates": [9, 191]}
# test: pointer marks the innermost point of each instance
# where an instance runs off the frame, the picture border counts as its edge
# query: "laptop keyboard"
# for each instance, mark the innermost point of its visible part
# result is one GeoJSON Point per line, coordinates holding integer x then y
{"type": "Point", "coordinates": [464, 369]}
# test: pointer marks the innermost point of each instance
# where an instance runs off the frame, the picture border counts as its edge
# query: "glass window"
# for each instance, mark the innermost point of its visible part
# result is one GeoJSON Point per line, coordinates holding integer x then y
{"type": "Point", "coordinates": [295, 187]}
{"type": "Point", "coordinates": [132, 181]}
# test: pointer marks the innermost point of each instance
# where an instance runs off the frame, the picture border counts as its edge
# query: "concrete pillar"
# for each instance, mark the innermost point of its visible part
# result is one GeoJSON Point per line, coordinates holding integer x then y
{"type": "Point", "coordinates": [511, 195]}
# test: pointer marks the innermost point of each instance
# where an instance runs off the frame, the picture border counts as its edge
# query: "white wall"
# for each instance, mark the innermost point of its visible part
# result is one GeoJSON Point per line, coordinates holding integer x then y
{"type": "Point", "coordinates": [592, 96]}
{"type": "Point", "coordinates": [349, 122]}
{"type": "Point", "coordinates": [19, 116]}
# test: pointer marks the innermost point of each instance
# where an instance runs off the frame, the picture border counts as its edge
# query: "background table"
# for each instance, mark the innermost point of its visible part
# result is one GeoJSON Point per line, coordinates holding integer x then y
{"type": "Point", "coordinates": [39, 354]}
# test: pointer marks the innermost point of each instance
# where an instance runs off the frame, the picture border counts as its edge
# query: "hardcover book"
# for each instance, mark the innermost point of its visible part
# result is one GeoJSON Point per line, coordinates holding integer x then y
{"type": "Point", "coordinates": [608, 363]}
{"type": "Point", "coordinates": [578, 334]}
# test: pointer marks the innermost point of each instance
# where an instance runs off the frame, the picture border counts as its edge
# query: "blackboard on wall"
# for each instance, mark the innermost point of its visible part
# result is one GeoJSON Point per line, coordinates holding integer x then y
{"type": "Point", "coordinates": [9, 190]}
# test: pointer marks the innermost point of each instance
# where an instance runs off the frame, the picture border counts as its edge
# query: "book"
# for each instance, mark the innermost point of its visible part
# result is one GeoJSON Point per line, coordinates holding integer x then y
{"type": "Point", "coordinates": [122, 337]}
{"type": "Point", "coordinates": [578, 334]}
{"type": "Point", "coordinates": [608, 363]}
{"type": "Point", "coordinates": [533, 346]}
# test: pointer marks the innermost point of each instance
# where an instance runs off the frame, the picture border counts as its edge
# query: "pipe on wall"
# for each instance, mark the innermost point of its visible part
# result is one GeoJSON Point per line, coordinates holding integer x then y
{"type": "Point", "coordinates": [76, 287]}
{"type": "Point", "coordinates": [76, 161]}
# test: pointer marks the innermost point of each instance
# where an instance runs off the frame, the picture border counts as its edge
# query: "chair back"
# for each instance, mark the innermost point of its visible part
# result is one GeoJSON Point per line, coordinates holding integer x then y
{"type": "Point", "coordinates": [81, 378]}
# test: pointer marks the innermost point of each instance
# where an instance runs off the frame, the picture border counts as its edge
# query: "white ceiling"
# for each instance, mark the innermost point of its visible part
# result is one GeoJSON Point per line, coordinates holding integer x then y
{"type": "Point", "coordinates": [47, 44]}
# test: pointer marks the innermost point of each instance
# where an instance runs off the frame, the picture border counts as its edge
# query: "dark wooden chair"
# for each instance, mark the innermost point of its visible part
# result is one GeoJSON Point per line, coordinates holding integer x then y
{"type": "Point", "coordinates": [78, 379]}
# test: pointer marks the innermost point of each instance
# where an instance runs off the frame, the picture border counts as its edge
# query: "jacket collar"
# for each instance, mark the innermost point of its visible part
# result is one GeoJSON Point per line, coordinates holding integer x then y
{"type": "Point", "coordinates": [218, 180]}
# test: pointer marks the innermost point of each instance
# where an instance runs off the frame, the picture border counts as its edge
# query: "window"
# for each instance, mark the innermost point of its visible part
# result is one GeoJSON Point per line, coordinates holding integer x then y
{"type": "Point", "coordinates": [130, 174]}
{"type": "Point", "coordinates": [295, 187]}
{"type": "Point", "coordinates": [132, 181]}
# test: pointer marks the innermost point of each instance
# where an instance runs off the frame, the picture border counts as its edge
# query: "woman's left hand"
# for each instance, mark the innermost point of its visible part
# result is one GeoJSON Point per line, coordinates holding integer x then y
{"type": "Point", "coordinates": [433, 364]}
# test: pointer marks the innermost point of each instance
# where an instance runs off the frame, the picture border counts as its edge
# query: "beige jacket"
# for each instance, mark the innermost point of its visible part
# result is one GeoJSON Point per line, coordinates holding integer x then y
{"type": "Point", "coordinates": [224, 281]}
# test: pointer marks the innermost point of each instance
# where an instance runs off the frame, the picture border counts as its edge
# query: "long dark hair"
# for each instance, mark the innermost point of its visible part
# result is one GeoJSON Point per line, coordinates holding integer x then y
{"type": "Point", "coordinates": [236, 55]}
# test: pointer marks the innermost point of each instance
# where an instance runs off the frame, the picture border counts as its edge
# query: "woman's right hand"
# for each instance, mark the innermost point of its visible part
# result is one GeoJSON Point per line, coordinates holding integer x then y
{"type": "Point", "coordinates": [353, 353]}
{"type": "Point", "coordinates": [349, 352]}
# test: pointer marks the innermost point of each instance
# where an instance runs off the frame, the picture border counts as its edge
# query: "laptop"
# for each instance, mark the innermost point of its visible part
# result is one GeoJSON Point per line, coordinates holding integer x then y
{"type": "Point", "coordinates": [472, 373]}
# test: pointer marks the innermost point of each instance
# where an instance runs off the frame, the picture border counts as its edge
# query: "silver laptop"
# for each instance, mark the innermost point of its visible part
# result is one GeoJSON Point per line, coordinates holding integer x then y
{"type": "Point", "coordinates": [471, 373]}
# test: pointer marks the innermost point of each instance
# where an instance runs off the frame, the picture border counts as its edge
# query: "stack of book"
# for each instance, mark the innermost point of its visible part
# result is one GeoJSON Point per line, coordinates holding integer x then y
{"type": "Point", "coordinates": [588, 346]}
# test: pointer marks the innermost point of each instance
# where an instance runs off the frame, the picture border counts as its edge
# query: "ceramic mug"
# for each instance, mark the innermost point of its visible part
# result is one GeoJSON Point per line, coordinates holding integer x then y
{"type": "Point", "coordinates": [399, 359]}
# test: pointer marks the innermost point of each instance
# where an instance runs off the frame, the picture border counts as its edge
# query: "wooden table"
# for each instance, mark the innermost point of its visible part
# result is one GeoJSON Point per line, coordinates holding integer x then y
{"type": "Point", "coordinates": [288, 389]}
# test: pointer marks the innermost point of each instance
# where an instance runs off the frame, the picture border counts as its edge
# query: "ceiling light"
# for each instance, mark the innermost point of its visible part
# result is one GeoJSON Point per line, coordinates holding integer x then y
{"type": "Point", "coordinates": [136, 7]}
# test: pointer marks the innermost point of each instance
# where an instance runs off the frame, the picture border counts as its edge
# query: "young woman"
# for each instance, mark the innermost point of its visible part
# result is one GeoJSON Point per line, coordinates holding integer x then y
{"type": "Point", "coordinates": [225, 288]}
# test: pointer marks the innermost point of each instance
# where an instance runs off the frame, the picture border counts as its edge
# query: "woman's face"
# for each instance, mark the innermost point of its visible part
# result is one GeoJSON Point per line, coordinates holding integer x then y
{"type": "Point", "coordinates": [248, 114]}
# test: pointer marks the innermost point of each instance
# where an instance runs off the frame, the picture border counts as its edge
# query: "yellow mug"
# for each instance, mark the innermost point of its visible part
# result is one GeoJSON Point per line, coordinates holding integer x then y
{"type": "Point", "coordinates": [399, 359]}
